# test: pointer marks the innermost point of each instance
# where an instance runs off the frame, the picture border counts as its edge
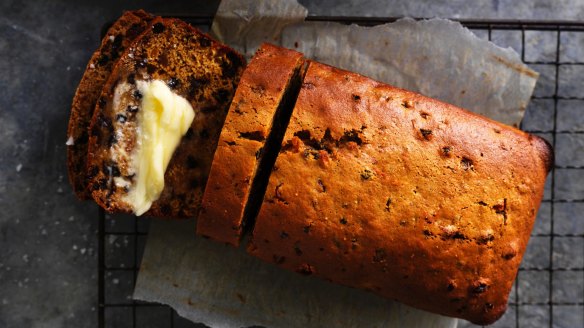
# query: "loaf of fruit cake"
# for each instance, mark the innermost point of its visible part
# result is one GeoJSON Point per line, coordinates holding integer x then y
{"type": "Point", "coordinates": [416, 200]}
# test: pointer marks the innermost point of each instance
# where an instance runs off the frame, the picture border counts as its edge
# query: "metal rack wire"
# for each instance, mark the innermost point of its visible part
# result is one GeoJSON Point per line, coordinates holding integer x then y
{"type": "Point", "coordinates": [549, 290]}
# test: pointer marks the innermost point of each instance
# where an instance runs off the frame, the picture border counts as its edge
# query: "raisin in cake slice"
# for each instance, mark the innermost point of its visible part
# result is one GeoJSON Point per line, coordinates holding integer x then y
{"type": "Point", "coordinates": [171, 88]}
{"type": "Point", "coordinates": [259, 109]}
{"type": "Point", "coordinates": [117, 39]}
{"type": "Point", "coordinates": [386, 190]}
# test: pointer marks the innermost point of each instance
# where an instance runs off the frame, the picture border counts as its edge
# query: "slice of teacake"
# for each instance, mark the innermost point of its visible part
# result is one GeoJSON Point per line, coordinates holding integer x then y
{"type": "Point", "coordinates": [257, 110]}
{"type": "Point", "coordinates": [196, 68]}
{"type": "Point", "coordinates": [117, 39]}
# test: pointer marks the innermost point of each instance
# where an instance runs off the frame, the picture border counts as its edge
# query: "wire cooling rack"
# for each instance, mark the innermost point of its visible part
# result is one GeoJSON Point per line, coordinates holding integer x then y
{"type": "Point", "coordinates": [549, 290]}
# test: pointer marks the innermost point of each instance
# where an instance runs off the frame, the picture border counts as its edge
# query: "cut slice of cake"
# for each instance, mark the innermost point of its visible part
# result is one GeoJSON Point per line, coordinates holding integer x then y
{"type": "Point", "coordinates": [260, 109]}
{"type": "Point", "coordinates": [116, 40]}
{"type": "Point", "coordinates": [157, 122]}
{"type": "Point", "coordinates": [416, 200]}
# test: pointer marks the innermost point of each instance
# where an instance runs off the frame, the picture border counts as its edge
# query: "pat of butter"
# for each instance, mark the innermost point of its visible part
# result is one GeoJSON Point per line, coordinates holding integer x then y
{"type": "Point", "coordinates": [163, 119]}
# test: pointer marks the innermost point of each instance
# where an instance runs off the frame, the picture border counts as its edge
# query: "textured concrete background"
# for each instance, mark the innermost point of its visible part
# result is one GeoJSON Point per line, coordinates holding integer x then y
{"type": "Point", "coordinates": [48, 241]}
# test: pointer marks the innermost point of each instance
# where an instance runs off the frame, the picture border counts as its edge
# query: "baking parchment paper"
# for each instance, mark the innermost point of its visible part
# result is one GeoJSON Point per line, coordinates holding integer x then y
{"type": "Point", "coordinates": [437, 58]}
{"type": "Point", "coordinates": [221, 286]}
{"type": "Point", "coordinates": [224, 287]}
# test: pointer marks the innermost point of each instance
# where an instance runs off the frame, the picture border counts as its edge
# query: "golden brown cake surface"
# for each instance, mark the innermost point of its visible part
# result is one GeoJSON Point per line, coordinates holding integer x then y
{"type": "Point", "coordinates": [386, 190]}
{"type": "Point", "coordinates": [242, 141]}
{"type": "Point", "coordinates": [194, 66]}
{"type": "Point", "coordinates": [117, 39]}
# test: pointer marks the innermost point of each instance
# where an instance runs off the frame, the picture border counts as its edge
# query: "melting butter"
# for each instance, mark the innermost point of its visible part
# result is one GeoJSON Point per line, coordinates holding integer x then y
{"type": "Point", "coordinates": [163, 119]}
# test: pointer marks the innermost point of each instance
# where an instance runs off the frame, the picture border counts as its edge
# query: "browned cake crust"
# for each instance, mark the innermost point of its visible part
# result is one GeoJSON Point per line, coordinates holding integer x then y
{"type": "Point", "coordinates": [117, 39]}
{"type": "Point", "coordinates": [196, 67]}
{"type": "Point", "coordinates": [416, 200]}
{"type": "Point", "coordinates": [242, 141]}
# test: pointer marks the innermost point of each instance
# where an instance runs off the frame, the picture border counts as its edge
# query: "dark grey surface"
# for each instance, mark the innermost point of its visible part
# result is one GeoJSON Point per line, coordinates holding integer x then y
{"type": "Point", "coordinates": [48, 241]}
